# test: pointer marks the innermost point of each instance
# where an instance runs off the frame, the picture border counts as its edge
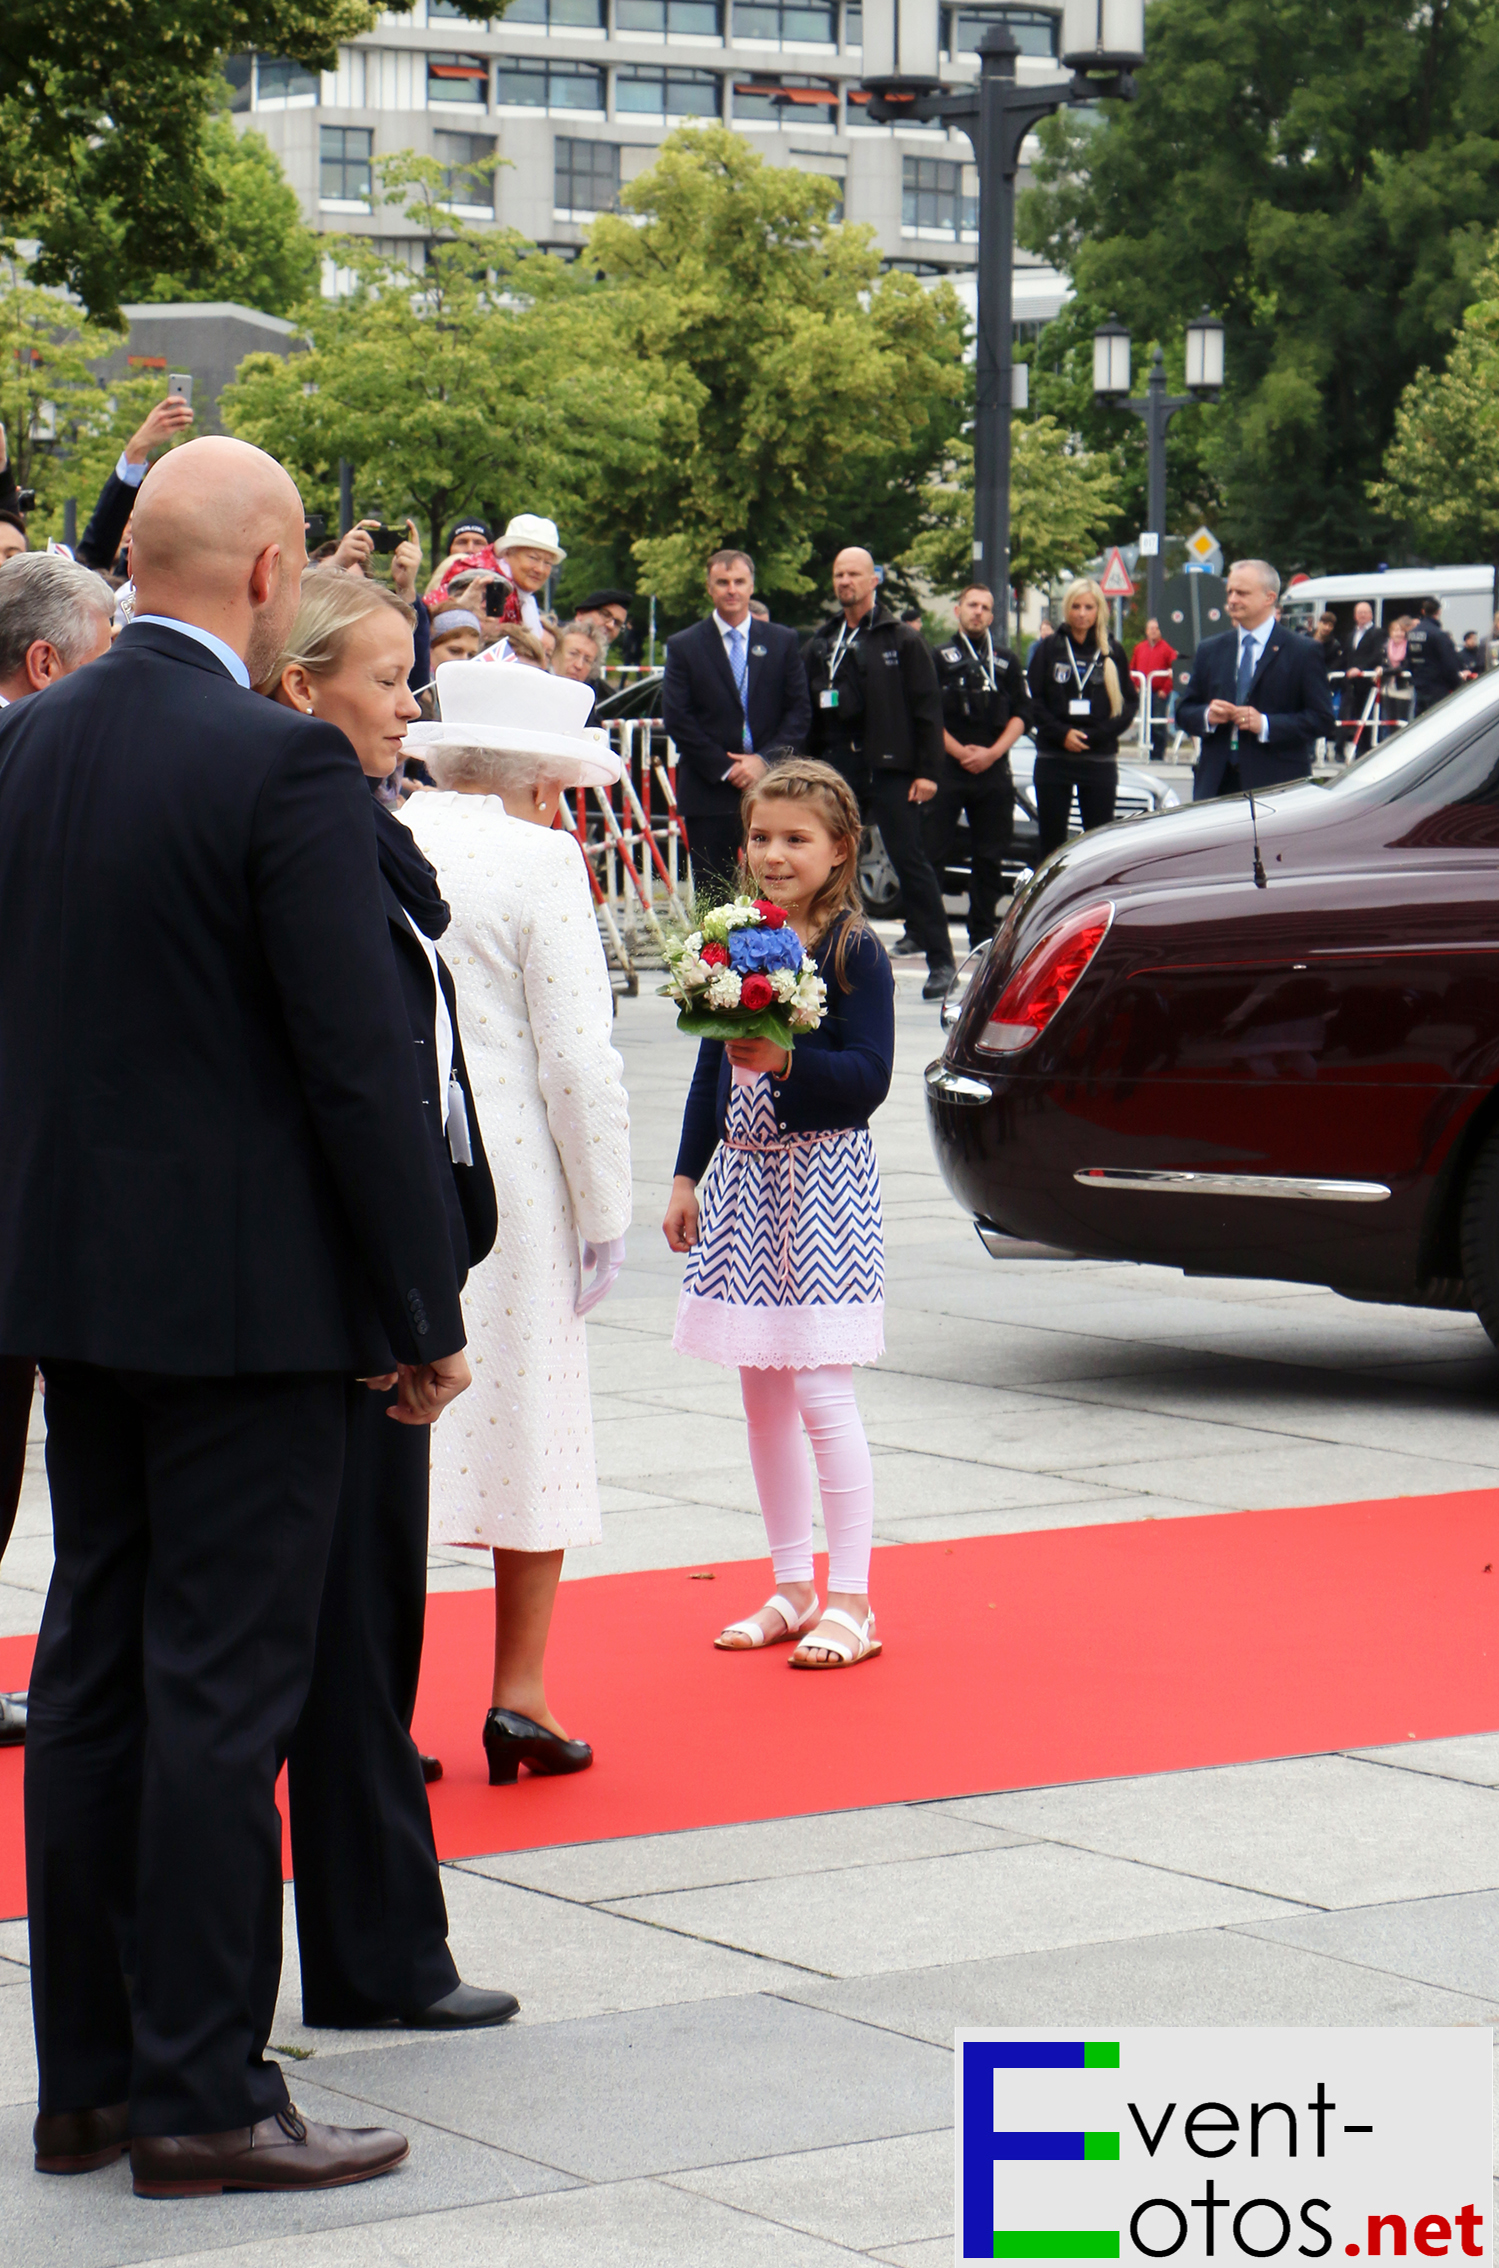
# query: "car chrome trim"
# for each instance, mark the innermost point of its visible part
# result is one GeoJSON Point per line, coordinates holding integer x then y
{"type": "Point", "coordinates": [1192, 1184]}
{"type": "Point", "coordinates": [956, 1086]}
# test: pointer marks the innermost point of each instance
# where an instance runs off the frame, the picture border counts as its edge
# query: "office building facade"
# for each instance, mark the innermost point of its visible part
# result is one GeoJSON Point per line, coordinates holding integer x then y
{"type": "Point", "coordinates": [576, 96]}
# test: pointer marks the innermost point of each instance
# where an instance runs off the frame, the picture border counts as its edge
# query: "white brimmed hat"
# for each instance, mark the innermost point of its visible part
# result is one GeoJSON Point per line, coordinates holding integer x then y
{"type": "Point", "coordinates": [519, 711]}
{"type": "Point", "coordinates": [528, 532]}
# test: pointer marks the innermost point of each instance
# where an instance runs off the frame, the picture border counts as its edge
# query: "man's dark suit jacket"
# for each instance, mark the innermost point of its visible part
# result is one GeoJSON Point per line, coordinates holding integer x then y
{"type": "Point", "coordinates": [215, 1155]}
{"type": "Point", "coordinates": [700, 707]}
{"type": "Point", "coordinates": [1289, 688]}
{"type": "Point", "coordinates": [1368, 655]}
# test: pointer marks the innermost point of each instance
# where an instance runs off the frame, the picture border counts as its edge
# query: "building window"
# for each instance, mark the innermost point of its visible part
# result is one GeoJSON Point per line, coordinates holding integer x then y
{"type": "Point", "coordinates": [933, 201]}
{"type": "Point", "coordinates": [458, 78]}
{"type": "Point", "coordinates": [344, 165]}
{"type": "Point", "coordinates": [550, 85]}
{"type": "Point", "coordinates": [455, 11]}
{"type": "Point", "coordinates": [570, 15]}
{"type": "Point", "coordinates": [585, 177]}
{"type": "Point", "coordinates": [667, 94]}
{"type": "Point", "coordinates": [963, 28]}
{"type": "Point", "coordinates": [237, 71]}
{"type": "Point", "coordinates": [853, 27]}
{"type": "Point", "coordinates": [786, 21]}
{"type": "Point", "coordinates": [279, 79]}
{"type": "Point", "coordinates": [689, 19]}
{"type": "Point", "coordinates": [802, 102]}
{"type": "Point", "coordinates": [458, 154]}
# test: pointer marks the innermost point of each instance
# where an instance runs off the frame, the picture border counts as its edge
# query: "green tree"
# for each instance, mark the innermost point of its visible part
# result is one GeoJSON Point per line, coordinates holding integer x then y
{"type": "Point", "coordinates": [104, 112]}
{"type": "Point", "coordinates": [262, 255]}
{"type": "Point", "coordinates": [1326, 179]}
{"type": "Point", "coordinates": [1061, 500]}
{"type": "Point", "coordinates": [1441, 475]}
{"type": "Point", "coordinates": [49, 393]}
{"type": "Point", "coordinates": [796, 384]}
{"type": "Point", "coordinates": [491, 382]}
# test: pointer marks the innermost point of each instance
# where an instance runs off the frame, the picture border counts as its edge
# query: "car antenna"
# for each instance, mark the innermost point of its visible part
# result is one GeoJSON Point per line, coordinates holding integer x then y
{"type": "Point", "coordinates": [1261, 879]}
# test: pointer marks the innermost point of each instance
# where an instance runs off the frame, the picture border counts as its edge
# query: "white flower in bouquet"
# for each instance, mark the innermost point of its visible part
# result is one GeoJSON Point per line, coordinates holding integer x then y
{"type": "Point", "coordinates": [691, 973]}
{"type": "Point", "coordinates": [740, 913]}
{"type": "Point", "coordinates": [783, 983]}
{"type": "Point", "coordinates": [694, 943]}
{"type": "Point", "coordinates": [723, 989]}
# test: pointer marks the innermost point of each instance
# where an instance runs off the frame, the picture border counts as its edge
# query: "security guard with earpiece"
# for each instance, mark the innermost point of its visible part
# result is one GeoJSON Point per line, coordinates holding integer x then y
{"type": "Point", "coordinates": [985, 708]}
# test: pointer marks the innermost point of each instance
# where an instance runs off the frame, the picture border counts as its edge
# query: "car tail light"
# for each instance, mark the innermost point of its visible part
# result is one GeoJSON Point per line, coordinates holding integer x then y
{"type": "Point", "coordinates": [1044, 979]}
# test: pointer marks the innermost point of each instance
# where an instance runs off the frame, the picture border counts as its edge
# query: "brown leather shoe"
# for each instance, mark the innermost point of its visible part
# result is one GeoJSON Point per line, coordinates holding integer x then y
{"type": "Point", "coordinates": [284, 2152]}
{"type": "Point", "coordinates": [78, 2141]}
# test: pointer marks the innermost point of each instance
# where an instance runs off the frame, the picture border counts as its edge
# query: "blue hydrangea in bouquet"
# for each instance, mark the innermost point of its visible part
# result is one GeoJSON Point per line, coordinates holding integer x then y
{"type": "Point", "coordinates": [743, 973]}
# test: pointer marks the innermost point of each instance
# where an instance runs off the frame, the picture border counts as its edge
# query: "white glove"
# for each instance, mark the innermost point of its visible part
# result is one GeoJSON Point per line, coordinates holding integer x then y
{"type": "Point", "coordinates": [606, 1260]}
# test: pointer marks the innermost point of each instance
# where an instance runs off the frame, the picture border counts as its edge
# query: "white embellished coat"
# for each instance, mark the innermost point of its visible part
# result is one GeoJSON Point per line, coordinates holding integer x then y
{"type": "Point", "coordinates": [513, 1459]}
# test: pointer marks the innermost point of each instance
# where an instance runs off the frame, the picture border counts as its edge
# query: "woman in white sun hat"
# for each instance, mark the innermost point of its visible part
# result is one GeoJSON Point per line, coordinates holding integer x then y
{"type": "Point", "coordinates": [515, 1473]}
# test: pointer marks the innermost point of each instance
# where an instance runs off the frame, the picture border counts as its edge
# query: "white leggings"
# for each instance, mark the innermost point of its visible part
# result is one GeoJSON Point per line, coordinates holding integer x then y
{"type": "Point", "coordinates": [823, 1402]}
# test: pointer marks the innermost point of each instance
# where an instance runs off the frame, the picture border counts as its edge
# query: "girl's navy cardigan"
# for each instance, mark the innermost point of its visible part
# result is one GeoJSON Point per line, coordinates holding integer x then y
{"type": "Point", "coordinates": [839, 1073]}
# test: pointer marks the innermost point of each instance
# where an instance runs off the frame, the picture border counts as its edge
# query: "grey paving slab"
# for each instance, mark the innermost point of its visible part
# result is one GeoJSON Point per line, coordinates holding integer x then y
{"type": "Point", "coordinates": [1207, 1976]}
{"type": "Point", "coordinates": [664, 2089]}
{"type": "Point", "coordinates": [940, 1487]}
{"type": "Point", "coordinates": [1453, 1942]}
{"type": "Point", "coordinates": [867, 2195]}
{"type": "Point", "coordinates": [1472, 1756]}
{"type": "Point", "coordinates": [869, 1920]}
{"type": "Point", "coordinates": [759, 1851]}
{"type": "Point", "coordinates": [931, 2252]}
{"type": "Point", "coordinates": [17, 2046]}
{"type": "Point", "coordinates": [1101, 1510]}
{"type": "Point", "coordinates": [1289, 1473]}
{"type": "Point", "coordinates": [15, 1943]}
{"type": "Point", "coordinates": [1325, 1830]}
{"type": "Point", "coordinates": [96, 2221]}
{"type": "Point", "coordinates": [561, 1960]}
{"type": "Point", "coordinates": [641, 2224]}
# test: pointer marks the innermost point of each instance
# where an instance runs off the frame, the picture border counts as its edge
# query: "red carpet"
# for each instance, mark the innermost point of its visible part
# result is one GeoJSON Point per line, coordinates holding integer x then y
{"type": "Point", "coordinates": [1014, 1661]}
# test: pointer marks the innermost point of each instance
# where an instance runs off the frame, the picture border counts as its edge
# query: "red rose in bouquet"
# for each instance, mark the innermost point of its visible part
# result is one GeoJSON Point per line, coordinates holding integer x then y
{"type": "Point", "coordinates": [773, 916]}
{"type": "Point", "coordinates": [756, 992]}
{"type": "Point", "coordinates": [715, 956]}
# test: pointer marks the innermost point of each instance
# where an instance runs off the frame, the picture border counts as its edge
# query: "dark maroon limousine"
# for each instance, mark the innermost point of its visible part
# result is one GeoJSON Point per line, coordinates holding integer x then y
{"type": "Point", "coordinates": [1255, 1040]}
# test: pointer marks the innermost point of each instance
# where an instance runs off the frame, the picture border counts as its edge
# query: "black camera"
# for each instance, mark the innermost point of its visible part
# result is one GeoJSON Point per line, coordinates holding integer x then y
{"type": "Point", "coordinates": [315, 530]}
{"type": "Point", "coordinates": [25, 499]}
{"type": "Point", "coordinates": [386, 539]}
{"type": "Point", "coordinates": [497, 596]}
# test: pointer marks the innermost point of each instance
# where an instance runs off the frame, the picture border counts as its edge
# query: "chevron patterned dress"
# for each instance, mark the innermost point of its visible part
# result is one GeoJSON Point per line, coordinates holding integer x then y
{"type": "Point", "coordinates": [788, 1272]}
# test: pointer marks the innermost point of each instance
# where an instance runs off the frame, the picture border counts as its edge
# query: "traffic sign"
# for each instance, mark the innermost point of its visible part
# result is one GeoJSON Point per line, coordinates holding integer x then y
{"type": "Point", "coordinates": [1203, 548]}
{"type": "Point", "coordinates": [1115, 582]}
{"type": "Point", "coordinates": [1150, 544]}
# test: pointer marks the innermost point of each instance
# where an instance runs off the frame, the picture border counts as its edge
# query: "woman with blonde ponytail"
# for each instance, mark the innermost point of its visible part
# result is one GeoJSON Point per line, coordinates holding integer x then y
{"type": "Point", "coordinates": [1084, 699]}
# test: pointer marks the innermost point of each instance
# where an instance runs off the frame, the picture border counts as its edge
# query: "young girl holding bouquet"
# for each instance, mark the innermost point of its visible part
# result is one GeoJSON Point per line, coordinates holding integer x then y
{"type": "Point", "coordinates": [785, 1277]}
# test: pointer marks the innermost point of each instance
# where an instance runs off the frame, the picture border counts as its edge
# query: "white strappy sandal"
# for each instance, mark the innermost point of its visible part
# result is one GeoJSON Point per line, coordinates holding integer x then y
{"type": "Point", "coordinates": [753, 1634]}
{"type": "Point", "coordinates": [864, 1646]}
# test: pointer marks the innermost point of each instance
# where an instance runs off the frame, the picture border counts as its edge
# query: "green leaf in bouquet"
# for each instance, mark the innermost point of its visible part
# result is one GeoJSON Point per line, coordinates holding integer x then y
{"type": "Point", "coordinates": [736, 1023]}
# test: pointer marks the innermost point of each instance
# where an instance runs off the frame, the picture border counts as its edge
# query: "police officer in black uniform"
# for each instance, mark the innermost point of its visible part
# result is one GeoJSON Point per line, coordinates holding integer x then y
{"type": "Point", "coordinates": [985, 708]}
{"type": "Point", "coordinates": [1431, 658]}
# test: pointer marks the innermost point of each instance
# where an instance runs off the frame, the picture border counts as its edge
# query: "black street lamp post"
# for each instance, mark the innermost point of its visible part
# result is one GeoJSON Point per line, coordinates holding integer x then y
{"type": "Point", "coordinates": [996, 115]}
{"type": "Point", "coordinates": [1111, 360]}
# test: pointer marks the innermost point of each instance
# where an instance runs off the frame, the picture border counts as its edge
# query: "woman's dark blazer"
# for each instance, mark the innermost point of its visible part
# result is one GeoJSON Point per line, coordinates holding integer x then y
{"type": "Point", "coordinates": [839, 1074]}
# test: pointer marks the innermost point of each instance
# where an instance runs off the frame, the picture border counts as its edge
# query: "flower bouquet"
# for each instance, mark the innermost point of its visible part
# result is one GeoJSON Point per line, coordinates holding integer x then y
{"type": "Point", "coordinates": [742, 973]}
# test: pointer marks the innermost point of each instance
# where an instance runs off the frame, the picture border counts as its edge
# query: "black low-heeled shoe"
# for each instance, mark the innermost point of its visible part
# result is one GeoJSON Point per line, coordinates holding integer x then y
{"type": "Point", "coordinates": [511, 1740]}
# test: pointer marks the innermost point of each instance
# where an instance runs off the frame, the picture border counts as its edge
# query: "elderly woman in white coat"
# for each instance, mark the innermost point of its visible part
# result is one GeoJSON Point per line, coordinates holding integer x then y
{"type": "Point", "coordinates": [515, 1473]}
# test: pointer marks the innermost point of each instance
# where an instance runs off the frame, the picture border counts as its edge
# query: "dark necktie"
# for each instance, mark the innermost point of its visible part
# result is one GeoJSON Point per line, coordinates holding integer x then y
{"type": "Point", "coordinates": [1246, 669]}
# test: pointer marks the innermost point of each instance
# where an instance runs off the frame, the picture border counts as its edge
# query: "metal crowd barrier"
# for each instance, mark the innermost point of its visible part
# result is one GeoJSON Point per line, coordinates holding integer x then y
{"type": "Point", "coordinates": [634, 844]}
{"type": "Point", "coordinates": [1384, 709]}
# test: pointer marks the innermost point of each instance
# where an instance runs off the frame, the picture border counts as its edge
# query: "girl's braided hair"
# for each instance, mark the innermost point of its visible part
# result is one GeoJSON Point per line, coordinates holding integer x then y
{"type": "Point", "coordinates": [801, 779]}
